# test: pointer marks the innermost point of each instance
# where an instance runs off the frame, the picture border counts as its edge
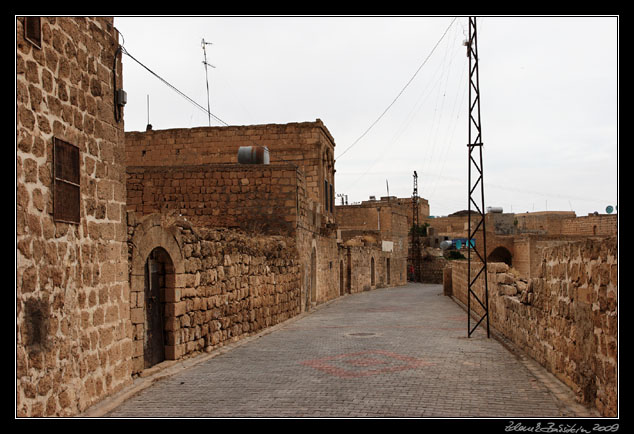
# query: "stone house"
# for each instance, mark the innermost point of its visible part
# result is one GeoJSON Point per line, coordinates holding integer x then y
{"type": "Point", "coordinates": [73, 336]}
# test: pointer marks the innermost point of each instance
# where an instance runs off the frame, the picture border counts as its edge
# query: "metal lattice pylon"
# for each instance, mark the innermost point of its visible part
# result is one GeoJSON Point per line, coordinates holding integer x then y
{"type": "Point", "coordinates": [475, 147]}
{"type": "Point", "coordinates": [415, 234]}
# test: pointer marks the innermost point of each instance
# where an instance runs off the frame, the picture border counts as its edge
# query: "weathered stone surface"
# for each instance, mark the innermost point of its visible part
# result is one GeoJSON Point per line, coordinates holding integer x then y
{"type": "Point", "coordinates": [565, 318]}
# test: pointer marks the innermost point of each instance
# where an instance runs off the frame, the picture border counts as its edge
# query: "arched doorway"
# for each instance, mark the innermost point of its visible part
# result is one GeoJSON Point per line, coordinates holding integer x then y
{"type": "Point", "coordinates": [159, 271]}
{"type": "Point", "coordinates": [501, 254]}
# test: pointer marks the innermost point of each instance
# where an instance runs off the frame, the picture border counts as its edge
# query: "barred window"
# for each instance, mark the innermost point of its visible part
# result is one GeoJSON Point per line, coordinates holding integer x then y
{"type": "Point", "coordinates": [66, 194]}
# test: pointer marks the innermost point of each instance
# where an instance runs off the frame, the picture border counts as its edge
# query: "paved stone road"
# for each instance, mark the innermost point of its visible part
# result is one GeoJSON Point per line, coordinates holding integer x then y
{"type": "Point", "coordinates": [393, 352]}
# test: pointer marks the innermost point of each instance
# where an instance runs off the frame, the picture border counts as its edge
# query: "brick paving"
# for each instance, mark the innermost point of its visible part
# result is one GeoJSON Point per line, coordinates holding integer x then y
{"type": "Point", "coordinates": [393, 352]}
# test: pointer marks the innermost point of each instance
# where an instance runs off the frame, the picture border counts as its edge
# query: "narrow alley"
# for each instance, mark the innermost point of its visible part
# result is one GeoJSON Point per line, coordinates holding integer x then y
{"type": "Point", "coordinates": [393, 352]}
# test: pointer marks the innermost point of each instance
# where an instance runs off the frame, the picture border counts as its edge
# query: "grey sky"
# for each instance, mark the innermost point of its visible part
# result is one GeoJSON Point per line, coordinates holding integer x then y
{"type": "Point", "coordinates": [549, 95]}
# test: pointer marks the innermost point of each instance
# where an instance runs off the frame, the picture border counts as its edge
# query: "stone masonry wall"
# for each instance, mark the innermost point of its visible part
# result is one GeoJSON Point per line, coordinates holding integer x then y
{"type": "Point", "coordinates": [599, 225]}
{"type": "Point", "coordinates": [307, 145]}
{"type": "Point", "coordinates": [566, 318]}
{"type": "Point", "coordinates": [261, 198]}
{"type": "Point", "coordinates": [226, 285]}
{"type": "Point", "coordinates": [73, 342]}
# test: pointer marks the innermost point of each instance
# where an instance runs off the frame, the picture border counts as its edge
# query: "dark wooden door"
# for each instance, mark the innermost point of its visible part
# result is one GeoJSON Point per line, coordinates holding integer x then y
{"type": "Point", "coordinates": [154, 346]}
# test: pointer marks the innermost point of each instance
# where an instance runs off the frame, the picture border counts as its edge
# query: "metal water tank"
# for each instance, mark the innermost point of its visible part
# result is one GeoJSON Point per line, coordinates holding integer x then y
{"type": "Point", "coordinates": [253, 155]}
{"type": "Point", "coordinates": [496, 209]}
{"type": "Point", "coordinates": [445, 244]}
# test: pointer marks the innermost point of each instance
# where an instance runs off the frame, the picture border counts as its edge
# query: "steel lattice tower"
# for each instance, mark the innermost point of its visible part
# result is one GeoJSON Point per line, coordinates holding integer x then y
{"type": "Point", "coordinates": [415, 234]}
{"type": "Point", "coordinates": [475, 147]}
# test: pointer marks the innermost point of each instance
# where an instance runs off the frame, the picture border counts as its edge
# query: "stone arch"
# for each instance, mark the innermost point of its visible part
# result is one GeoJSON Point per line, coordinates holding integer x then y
{"type": "Point", "coordinates": [501, 254]}
{"type": "Point", "coordinates": [154, 237]}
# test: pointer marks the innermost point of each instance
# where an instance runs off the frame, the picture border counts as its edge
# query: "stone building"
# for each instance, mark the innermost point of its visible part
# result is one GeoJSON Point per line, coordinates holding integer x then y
{"type": "Point", "coordinates": [382, 227]}
{"type": "Point", "coordinates": [517, 239]}
{"type": "Point", "coordinates": [195, 175]}
{"type": "Point", "coordinates": [73, 343]}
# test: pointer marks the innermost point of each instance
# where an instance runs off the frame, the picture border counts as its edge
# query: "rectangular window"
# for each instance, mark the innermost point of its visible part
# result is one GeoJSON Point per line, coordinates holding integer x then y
{"type": "Point", "coordinates": [66, 194]}
{"type": "Point", "coordinates": [326, 195]}
{"type": "Point", "coordinates": [332, 199]}
{"type": "Point", "coordinates": [32, 31]}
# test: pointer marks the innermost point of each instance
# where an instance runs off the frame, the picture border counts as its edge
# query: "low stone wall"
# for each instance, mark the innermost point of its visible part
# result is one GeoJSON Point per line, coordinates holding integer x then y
{"type": "Point", "coordinates": [566, 318]}
{"type": "Point", "coordinates": [220, 286]}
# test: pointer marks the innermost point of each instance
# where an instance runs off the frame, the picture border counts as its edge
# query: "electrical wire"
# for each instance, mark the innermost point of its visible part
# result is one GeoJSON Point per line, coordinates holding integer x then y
{"type": "Point", "coordinates": [124, 51]}
{"type": "Point", "coordinates": [127, 53]}
{"type": "Point", "coordinates": [400, 93]}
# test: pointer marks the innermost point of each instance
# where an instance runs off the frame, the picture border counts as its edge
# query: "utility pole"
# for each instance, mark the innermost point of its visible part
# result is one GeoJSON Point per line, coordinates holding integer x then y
{"type": "Point", "coordinates": [415, 250]}
{"type": "Point", "coordinates": [475, 147]}
{"type": "Point", "coordinates": [204, 44]}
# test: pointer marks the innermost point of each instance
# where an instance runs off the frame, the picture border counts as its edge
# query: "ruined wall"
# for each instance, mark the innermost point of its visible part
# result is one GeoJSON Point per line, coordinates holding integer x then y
{"type": "Point", "coordinates": [260, 198]}
{"type": "Point", "coordinates": [566, 318]}
{"type": "Point", "coordinates": [73, 343]}
{"type": "Point", "coordinates": [222, 285]}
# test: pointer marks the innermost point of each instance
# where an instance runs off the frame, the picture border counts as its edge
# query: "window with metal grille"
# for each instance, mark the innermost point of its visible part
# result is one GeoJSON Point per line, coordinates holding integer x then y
{"type": "Point", "coordinates": [66, 194]}
{"type": "Point", "coordinates": [32, 31]}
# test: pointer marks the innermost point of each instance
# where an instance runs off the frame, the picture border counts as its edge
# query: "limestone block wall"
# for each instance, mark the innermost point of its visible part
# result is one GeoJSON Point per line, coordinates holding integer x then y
{"type": "Point", "coordinates": [591, 225]}
{"type": "Point", "coordinates": [73, 342]}
{"type": "Point", "coordinates": [307, 145]}
{"type": "Point", "coordinates": [221, 285]}
{"type": "Point", "coordinates": [260, 198]}
{"type": "Point", "coordinates": [565, 318]}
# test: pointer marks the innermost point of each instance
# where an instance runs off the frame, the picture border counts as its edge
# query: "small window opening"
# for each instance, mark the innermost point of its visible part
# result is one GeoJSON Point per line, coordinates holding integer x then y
{"type": "Point", "coordinates": [32, 31]}
{"type": "Point", "coordinates": [66, 193]}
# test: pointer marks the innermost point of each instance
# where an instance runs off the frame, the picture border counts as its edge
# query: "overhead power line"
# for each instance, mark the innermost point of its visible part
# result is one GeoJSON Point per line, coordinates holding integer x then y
{"type": "Point", "coordinates": [174, 88]}
{"type": "Point", "coordinates": [401, 92]}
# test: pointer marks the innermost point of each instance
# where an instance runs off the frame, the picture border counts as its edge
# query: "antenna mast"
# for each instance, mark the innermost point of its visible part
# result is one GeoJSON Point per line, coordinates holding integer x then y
{"type": "Point", "coordinates": [204, 44]}
{"type": "Point", "coordinates": [475, 142]}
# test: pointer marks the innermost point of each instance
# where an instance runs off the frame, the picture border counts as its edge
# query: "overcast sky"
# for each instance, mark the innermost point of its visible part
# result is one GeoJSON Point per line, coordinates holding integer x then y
{"type": "Point", "coordinates": [549, 98]}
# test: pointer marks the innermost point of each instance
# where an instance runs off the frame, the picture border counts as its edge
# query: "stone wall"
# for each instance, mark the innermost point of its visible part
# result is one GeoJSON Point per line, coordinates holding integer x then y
{"type": "Point", "coordinates": [73, 343]}
{"type": "Point", "coordinates": [307, 145]}
{"type": "Point", "coordinates": [566, 318]}
{"type": "Point", "coordinates": [431, 270]}
{"type": "Point", "coordinates": [591, 225]}
{"type": "Point", "coordinates": [260, 198]}
{"type": "Point", "coordinates": [220, 286]}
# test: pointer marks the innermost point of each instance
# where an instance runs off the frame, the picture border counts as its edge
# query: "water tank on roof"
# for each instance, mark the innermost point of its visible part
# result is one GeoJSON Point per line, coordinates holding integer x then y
{"type": "Point", "coordinates": [496, 209]}
{"type": "Point", "coordinates": [253, 155]}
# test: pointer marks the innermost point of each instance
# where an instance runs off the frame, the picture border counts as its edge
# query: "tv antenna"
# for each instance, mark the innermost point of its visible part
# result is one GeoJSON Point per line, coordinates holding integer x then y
{"type": "Point", "coordinates": [204, 46]}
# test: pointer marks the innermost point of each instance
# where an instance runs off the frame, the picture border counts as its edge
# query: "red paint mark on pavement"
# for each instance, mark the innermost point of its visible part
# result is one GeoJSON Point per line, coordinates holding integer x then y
{"type": "Point", "coordinates": [365, 363]}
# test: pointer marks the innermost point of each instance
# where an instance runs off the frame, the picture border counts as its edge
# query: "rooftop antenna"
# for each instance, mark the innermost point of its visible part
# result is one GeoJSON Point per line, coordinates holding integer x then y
{"type": "Point", "coordinates": [204, 44]}
{"type": "Point", "coordinates": [149, 126]}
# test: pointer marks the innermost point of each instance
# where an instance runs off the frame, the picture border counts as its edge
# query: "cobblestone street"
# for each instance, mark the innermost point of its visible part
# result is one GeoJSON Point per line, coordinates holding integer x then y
{"type": "Point", "coordinates": [394, 352]}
